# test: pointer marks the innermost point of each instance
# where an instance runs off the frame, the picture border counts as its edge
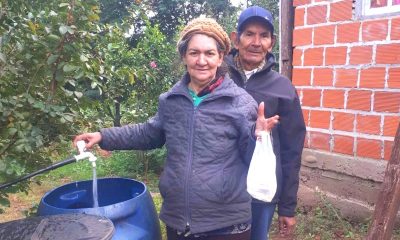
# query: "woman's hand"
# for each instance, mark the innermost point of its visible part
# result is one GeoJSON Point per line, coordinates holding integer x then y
{"type": "Point", "coordinates": [262, 123]}
{"type": "Point", "coordinates": [90, 139]}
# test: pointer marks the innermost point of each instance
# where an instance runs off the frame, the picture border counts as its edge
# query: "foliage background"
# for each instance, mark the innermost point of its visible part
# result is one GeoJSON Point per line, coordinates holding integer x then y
{"type": "Point", "coordinates": [71, 66]}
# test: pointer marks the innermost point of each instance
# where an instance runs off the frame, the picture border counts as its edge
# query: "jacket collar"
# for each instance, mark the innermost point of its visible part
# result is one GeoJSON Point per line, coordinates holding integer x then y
{"type": "Point", "coordinates": [181, 88]}
{"type": "Point", "coordinates": [269, 60]}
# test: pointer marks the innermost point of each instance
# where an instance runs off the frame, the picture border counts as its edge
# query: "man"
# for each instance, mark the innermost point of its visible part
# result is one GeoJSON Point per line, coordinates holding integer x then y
{"type": "Point", "coordinates": [250, 66]}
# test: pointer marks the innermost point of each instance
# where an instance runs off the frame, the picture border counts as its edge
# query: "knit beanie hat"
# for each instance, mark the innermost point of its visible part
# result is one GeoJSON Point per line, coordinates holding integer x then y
{"type": "Point", "coordinates": [209, 27]}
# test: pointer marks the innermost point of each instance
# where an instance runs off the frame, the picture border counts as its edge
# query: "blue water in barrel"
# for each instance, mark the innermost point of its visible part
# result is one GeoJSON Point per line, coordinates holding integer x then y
{"type": "Point", "coordinates": [126, 202]}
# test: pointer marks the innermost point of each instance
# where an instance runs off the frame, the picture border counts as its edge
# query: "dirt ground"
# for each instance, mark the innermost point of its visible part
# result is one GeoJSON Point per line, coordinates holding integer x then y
{"type": "Point", "coordinates": [21, 202]}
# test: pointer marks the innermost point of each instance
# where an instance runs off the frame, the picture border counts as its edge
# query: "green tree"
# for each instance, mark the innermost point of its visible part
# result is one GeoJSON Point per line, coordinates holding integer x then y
{"type": "Point", "coordinates": [44, 48]}
{"type": "Point", "coordinates": [114, 10]}
{"type": "Point", "coordinates": [133, 77]}
{"type": "Point", "coordinates": [170, 14]}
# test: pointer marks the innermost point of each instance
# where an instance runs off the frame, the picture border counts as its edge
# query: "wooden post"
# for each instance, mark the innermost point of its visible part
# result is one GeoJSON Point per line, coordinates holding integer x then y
{"type": "Point", "coordinates": [387, 205]}
{"type": "Point", "coordinates": [286, 37]}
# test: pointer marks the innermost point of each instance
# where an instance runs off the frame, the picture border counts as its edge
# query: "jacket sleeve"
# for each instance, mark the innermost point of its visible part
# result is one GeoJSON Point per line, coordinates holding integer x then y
{"type": "Point", "coordinates": [142, 136]}
{"type": "Point", "coordinates": [247, 139]}
{"type": "Point", "coordinates": [292, 131]}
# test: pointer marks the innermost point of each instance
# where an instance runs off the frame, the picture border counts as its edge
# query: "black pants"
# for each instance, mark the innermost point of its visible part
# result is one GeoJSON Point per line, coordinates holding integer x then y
{"type": "Point", "coordinates": [172, 235]}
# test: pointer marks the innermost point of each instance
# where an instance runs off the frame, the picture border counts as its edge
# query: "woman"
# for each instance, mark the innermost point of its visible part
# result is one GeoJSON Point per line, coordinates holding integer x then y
{"type": "Point", "coordinates": [206, 123]}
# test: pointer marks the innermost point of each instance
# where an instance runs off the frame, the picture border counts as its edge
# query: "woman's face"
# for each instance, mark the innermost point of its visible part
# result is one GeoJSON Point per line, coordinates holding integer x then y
{"type": "Point", "coordinates": [202, 60]}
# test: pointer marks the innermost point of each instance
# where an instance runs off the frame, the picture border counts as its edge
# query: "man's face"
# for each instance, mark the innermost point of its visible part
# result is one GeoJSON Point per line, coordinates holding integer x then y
{"type": "Point", "coordinates": [253, 44]}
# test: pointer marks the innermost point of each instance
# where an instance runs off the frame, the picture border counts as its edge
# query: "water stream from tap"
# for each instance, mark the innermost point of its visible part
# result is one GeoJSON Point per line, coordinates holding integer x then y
{"type": "Point", "coordinates": [95, 195]}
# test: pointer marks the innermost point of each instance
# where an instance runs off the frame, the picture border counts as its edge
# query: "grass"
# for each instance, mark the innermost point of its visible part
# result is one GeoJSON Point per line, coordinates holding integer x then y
{"type": "Point", "coordinates": [322, 222]}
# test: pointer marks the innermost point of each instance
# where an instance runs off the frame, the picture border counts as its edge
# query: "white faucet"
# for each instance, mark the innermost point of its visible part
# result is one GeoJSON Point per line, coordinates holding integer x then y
{"type": "Point", "coordinates": [82, 154]}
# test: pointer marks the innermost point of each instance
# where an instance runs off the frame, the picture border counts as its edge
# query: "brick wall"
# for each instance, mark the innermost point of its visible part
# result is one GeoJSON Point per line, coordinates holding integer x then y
{"type": "Point", "coordinates": [347, 74]}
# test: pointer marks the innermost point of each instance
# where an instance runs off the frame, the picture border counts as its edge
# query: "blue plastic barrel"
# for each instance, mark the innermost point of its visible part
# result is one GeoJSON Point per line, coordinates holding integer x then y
{"type": "Point", "coordinates": [126, 202]}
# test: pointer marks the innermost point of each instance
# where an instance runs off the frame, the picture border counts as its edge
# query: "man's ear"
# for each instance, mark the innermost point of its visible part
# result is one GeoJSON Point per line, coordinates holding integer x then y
{"type": "Point", "coordinates": [234, 38]}
{"type": "Point", "coordinates": [273, 42]}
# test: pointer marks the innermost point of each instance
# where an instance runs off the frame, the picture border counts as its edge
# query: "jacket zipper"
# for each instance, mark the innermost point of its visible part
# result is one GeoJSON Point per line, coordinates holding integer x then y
{"type": "Point", "coordinates": [188, 172]}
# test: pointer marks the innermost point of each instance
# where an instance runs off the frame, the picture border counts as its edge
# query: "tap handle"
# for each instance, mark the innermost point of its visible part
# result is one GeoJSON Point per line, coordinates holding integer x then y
{"type": "Point", "coordinates": [81, 146]}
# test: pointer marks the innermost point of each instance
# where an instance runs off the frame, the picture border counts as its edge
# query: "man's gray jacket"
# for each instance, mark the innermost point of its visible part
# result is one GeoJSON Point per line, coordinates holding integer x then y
{"type": "Point", "coordinates": [280, 98]}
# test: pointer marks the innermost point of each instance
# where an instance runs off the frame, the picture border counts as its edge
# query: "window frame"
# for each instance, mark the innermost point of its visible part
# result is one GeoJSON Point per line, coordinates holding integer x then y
{"type": "Point", "coordinates": [364, 10]}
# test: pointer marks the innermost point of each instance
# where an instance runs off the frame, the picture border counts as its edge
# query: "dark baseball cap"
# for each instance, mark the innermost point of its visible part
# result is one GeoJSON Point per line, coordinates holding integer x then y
{"type": "Point", "coordinates": [264, 15]}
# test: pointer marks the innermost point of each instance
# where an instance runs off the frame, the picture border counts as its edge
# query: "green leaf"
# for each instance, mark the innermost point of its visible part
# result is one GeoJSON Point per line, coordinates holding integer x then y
{"type": "Point", "coordinates": [63, 29]}
{"type": "Point", "coordinates": [84, 58]}
{"type": "Point", "coordinates": [28, 148]}
{"type": "Point", "coordinates": [72, 82]}
{"type": "Point", "coordinates": [78, 94]}
{"type": "Point", "coordinates": [94, 17]}
{"type": "Point", "coordinates": [131, 78]}
{"type": "Point", "coordinates": [12, 131]}
{"type": "Point", "coordinates": [69, 68]}
{"type": "Point", "coordinates": [59, 75]}
{"type": "Point", "coordinates": [79, 74]}
{"type": "Point", "coordinates": [54, 37]}
{"type": "Point", "coordinates": [63, 5]}
{"type": "Point", "coordinates": [68, 118]}
{"type": "Point", "coordinates": [70, 30]}
{"type": "Point", "coordinates": [32, 26]}
{"type": "Point", "coordinates": [52, 59]}
{"type": "Point", "coordinates": [2, 57]}
{"type": "Point", "coordinates": [4, 202]}
{"type": "Point", "coordinates": [39, 105]}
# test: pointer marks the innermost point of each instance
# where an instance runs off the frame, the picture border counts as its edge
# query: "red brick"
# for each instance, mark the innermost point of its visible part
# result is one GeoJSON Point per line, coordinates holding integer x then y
{"type": "Point", "coordinates": [369, 148]}
{"type": "Point", "coordinates": [333, 99]}
{"type": "Point", "coordinates": [302, 76]}
{"type": "Point", "coordinates": [311, 97]}
{"type": "Point", "coordinates": [324, 35]}
{"type": "Point", "coordinates": [320, 141]}
{"type": "Point", "coordinates": [372, 78]}
{"type": "Point", "coordinates": [313, 57]}
{"type": "Point", "coordinates": [343, 144]}
{"type": "Point", "coordinates": [335, 55]}
{"type": "Point", "coordinates": [348, 32]}
{"type": "Point", "coordinates": [300, 2]}
{"type": "Point", "coordinates": [341, 11]}
{"type": "Point", "coordinates": [391, 123]}
{"type": "Point", "coordinates": [394, 78]}
{"type": "Point", "coordinates": [374, 30]}
{"type": "Point", "coordinates": [388, 148]}
{"type": "Point", "coordinates": [306, 114]}
{"type": "Point", "coordinates": [306, 141]}
{"type": "Point", "coordinates": [298, 90]}
{"type": "Point", "coordinates": [359, 100]}
{"type": "Point", "coordinates": [297, 54]}
{"type": "Point", "coordinates": [361, 55]}
{"type": "Point", "coordinates": [368, 124]}
{"type": "Point", "coordinates": [323, 77]}
{"type": "Point", "coordinates": [316, 14]}
{"type": "Point", "coordinates": [302, 36]}
{"type": "Point", "coordinates": [387, 102]}
{"type": "Point", "coordinates": [388, 54]}
{"type": "Point", "coordinates": [395, 33]}
{"type": "Point", "coordinates": [299, 17]}
{"type": "Point", "coordinates": [320, 119]}
{"type": "Point", "coordinates": [343, 121]}
{"type": "Point", "coordinates": [346, 77]}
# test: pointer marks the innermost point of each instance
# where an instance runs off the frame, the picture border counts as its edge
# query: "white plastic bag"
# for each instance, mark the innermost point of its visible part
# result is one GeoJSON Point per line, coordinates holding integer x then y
{"type": "Point", "coordinates": [261, 178]}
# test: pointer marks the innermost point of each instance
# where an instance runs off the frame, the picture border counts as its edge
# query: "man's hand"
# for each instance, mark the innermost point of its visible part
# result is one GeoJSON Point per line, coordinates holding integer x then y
{"type": "Point", "coordinates": [262, 123]}
{"type": "Point", "coordinates": [89, 138]}
{"type": "Point", "coordinates": [286, 226]}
